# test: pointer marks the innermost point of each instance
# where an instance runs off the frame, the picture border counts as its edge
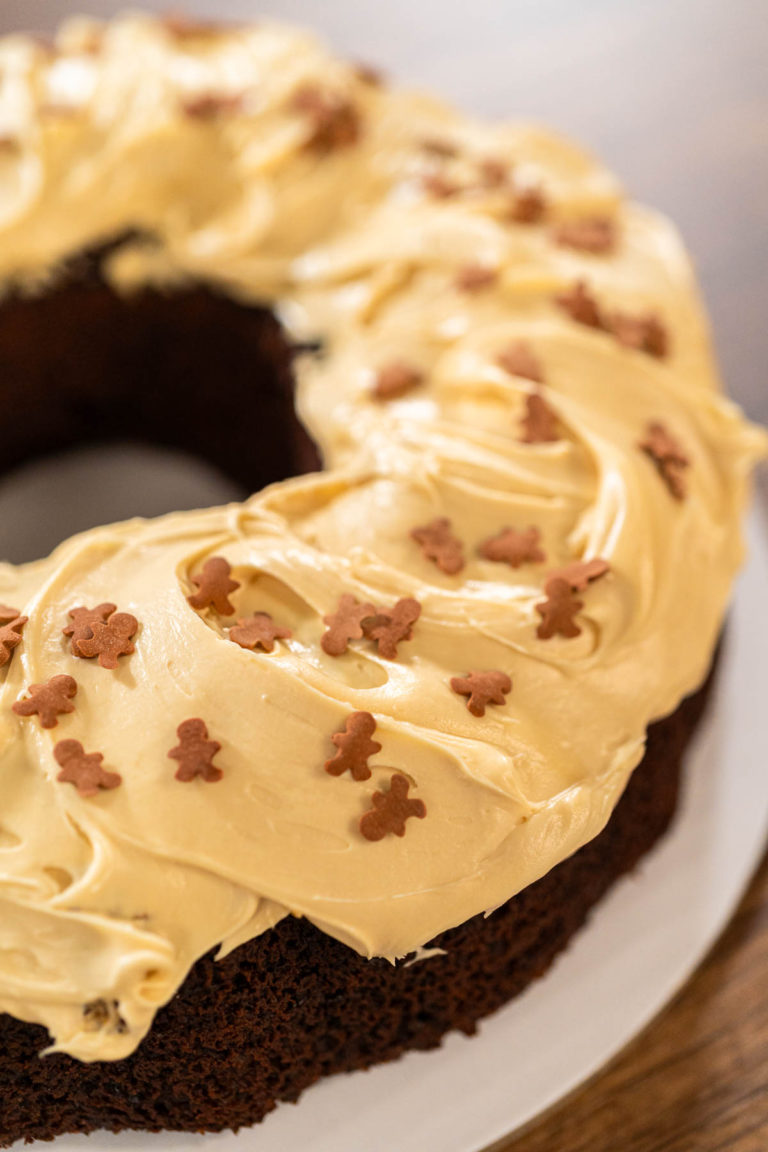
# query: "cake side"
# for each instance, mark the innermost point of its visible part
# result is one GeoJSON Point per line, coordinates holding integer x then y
{"type": "Point", "coordinates": [294, 1005]}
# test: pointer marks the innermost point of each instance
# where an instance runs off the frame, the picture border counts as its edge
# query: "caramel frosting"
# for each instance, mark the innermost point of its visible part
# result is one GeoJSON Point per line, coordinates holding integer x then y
{"type": "Point", "coordinates": [456, 397]}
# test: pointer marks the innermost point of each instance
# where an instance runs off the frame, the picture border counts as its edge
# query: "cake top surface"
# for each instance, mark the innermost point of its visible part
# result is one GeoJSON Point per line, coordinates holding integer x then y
{"type": "Point", "coordinates": [389, 696]}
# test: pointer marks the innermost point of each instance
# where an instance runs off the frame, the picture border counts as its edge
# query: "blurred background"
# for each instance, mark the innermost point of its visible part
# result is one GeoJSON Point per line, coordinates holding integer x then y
{"type": "Point", "coordinates": [672, 94]}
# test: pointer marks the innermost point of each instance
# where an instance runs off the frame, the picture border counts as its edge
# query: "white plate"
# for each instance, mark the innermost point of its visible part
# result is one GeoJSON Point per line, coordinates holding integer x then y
{"type": "Point", "coordinates": [642, 943]}
{"type": "Point", "coordinates": [646, 938]}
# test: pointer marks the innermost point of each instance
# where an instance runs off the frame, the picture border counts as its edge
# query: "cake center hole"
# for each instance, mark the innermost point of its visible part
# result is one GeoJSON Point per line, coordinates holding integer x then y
{"type": "Point", "coordinates": [179, 398]}
{"type": "Point", "coordinates": [43, 503]}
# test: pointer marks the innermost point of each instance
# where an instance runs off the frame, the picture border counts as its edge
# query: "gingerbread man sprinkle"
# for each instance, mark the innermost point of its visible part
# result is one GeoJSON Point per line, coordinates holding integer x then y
{"type": "Point", "coordinates": [195, 752]}
{"type": "Point", "coordinates": [475, 277]}
{"type": "Point", "coordinates": [440, 545]}
{"type": "Point", "coordinates": [258, 631]}
{"type": "Point", "coordinates": [518, 359]}
{"type": "Point", "coordinates": [580, 305]}
{"type": "Point", "coordinates": [514, 547]}
{"type": "Point", "coordinates": [108, 639]}
{"type": "Point", "coordinates": [82, 621]}
{"type": "Point", "coordinates": [643, 333]}
{"type": "Point", "coordinates": [597, 235]}
{"type": "Point", "coordinates": [49, 700]}
{"type": "Point", "coordinates": [212, 105]}
{"type": "Point", "coordinates": [528, 206]}
{"type": "Point", "coordinates": [668, 456]}
{"type": "Point", "coordinates": [580, 573]}
{"type": "Point", "coordinates": [396, 379]}
{"type": "Point", "coordinates": [391, 810]}
{"type": "Point", "coordinates": [482, 688]}
{"type": "Point", "coordinates": [10, 637]}
{"type": "Point", "coordinates": [558, 610]}
{"type": "Point", "coordinates": [214, 585]}
{"type": "Point", "coordinates": [539, 424]}
{"type": "Point", "coordinates": [83, 769]}
{"type": "Point", "coordinates": [354, 746]}
{"type": "Point", "coordinates": [345, 624]}
{"type": "Point", "coordinates": [334, 121]}
{"type": "Point", "coordinates": [389, 628]}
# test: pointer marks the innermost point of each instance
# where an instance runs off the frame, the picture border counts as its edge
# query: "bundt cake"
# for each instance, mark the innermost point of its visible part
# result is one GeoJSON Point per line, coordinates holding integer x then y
{"type": "Point", "coordinates": [293, 785]}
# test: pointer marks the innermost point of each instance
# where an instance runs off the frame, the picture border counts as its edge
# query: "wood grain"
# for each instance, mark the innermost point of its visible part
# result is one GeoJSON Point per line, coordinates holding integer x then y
{"type": "Point", "coordinates": [696, 1080]}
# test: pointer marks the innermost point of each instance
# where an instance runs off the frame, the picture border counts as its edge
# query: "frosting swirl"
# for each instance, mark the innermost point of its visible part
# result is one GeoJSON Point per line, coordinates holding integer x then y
{"type": "Point", "coordinates": [406, 235]}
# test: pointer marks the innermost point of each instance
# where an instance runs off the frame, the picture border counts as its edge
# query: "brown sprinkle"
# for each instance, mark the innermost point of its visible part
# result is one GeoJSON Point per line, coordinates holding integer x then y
{"type": "Point", "coordinates": [668, 456]}
{"type": "Point", "coordinates": [492, 172]}
{"type": "Point", "coordinates": [481, 689]}
{"type": "Point", "coordinates": [83, 769]}
{"type": "Point", "coordinates": [597, 235]}
{"type": "Point", "coordinates": [195, 752]}
{"type": "Point", "coordinates": [439, 545]}
{"type": "Point", "coordinates": [10, 637]}
{"type": "Point", "coordinates": [92, 44]}
{"type": "Point", "coordinates": [212, 105]}
{"type": "Point", "coordinates": [9, 145]}
{"type": "Point", "coordinates": [438, 146]}
{"type": "Point", "coordinates": [108, 639]}
{"type": "Point", "coordinates": [396, 379]}
{"type": "Point", "coordinates": [558, 610]}
{"type": "Point", "coordinates": [514, 548]}
{"type": "Point", "coordinates": [439, 186]}
{"type": "Point", "coordinates": [518, 359]}
{"type": "Point", "coordinates": [258, 631]}
{"type": "Point", "coordinates": [580, 573]}
{"type": "Point", "coordinates": [354, 746]}
{"type": "Point", "coordinates": [7, 614]}
{"type": "Point", "coordinates": [49, 700]}
{"type": "Point", "coordinates": [182, 27]}
{"type": "Point", "coordinates": [101, 631]}
{"type": "Point", "coordinates": [475, 277]}
{"type": "Point", "coordinates": [214, 585]}
{"type": "Point", "coordinates": [391, 810]}
{"type": "Point", "coordinates": [580, 305]}
{"type": "Point", "coordinates": [368, 74]}
{"type": "Point", "coordinates": [528, 206]}
{"type": "Point", "coordinates": [674, 478]}
{"type": "Point", "coordinates": [388, 629]}
{"type": "Point", "coordinates": [83, 620]}
{"type": "Point", "coordinates": [539, 424]}
{"type": "Point", "coordinates": [345, 624]}
{"type": "Point", "coordinates": [333, 120]}
{"type": "Point", "coordinates": [643, 333]}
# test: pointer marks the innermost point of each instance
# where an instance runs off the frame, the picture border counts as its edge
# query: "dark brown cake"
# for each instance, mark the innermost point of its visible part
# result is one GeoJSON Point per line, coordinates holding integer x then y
{"type": "Point", "coordinates": [294, 1005]}
{"type": "Point", "coordinates": [192, 369]}
{"type": "Point", "coordinates": [544, 339]}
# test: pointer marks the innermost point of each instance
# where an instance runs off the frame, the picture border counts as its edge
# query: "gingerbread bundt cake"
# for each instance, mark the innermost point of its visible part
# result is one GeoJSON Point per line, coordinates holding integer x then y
{"type": "Point", "coordinates": [256, 760]}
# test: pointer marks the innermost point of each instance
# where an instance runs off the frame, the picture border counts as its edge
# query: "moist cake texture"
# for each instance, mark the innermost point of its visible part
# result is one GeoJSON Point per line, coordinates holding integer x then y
{"type": "Point", "coordinates": [293, 1004]}
{"type": "Point", "coordinates": [383, 698]}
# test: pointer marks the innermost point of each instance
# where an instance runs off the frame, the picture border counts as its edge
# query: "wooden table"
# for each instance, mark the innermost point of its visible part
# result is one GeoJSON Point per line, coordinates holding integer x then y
{"type": "Point", "coordinates": [674, 95]}
{"type": "Point", "coordinates": [696, 1080]}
